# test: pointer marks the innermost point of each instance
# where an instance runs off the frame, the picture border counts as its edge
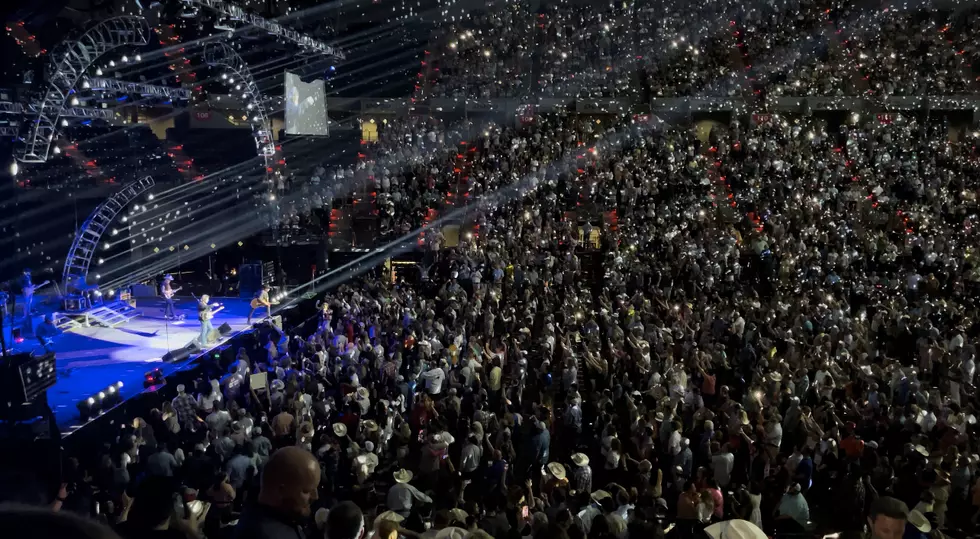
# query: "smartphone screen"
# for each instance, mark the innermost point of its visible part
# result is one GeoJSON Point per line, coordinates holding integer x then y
{"type": "Point", "coordinates": [525, 511]}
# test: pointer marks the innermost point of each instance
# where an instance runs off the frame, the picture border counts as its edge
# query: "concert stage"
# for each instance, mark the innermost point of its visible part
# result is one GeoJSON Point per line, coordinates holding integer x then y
{"type": "Point", "coordinates": [91, 358]}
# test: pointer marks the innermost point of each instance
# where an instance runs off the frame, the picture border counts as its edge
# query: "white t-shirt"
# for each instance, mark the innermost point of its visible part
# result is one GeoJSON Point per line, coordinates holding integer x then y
{"type": "Point", "coordinates": [722, 465]}
{"type": "Point", "coordinates": [433, 380]}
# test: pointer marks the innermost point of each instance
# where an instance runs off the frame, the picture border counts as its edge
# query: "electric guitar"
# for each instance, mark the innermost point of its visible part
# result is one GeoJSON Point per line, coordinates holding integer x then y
{"type": "Point", "coordinates": [169, 294]}
{"type": "Point", "coordinates": [256, 303]}
{"type": "Point", "coordinates": [30, 290]}
{"type": "Point", "coordinates": [208, 315]}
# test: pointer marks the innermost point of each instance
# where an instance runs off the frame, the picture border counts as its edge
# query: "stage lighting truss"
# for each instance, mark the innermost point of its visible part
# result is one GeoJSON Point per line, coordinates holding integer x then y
{"type": "Point", "coordinates": [67, 66]}
{"type": "Point", "coordinates": [87, 238]}
{"type": "Point", "coordinates": [237, 13]}
{"type": "Point", "coordinates": [223, 56]}
{"type": "Point", "coordinates": [122, 86]}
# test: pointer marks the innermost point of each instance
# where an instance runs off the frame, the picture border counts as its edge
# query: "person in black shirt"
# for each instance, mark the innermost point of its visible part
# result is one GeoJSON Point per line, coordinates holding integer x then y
{"type": "Point", "coordinates": [289, 486]}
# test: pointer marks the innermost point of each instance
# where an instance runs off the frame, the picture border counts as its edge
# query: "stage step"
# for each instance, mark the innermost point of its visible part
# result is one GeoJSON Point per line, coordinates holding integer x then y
{"type": "Point", "coordinates": [112, 315]}
{"type": "Point", "coordinates": [66, 322]}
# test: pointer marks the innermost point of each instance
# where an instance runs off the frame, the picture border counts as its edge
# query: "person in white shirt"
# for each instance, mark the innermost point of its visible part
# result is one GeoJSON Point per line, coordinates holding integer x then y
{"type": "Point", "coordinates": [471, 455]}
{"type": "Point", "coordinates": [434, 378]}
{"type": "Point", "coordinates": [722, 463]}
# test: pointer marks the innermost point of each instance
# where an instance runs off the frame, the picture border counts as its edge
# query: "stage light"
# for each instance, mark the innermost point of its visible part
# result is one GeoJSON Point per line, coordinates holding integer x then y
{"type": "Point", "coordinates": [86, 85]}
{"type": "Point", "coordinates": [111, 294]}
{"type": "Point", "coordinates": [150, 196]}
{"type": "Point", "coordinates": [57, 150]}
{"type": "Point", "coordinates": [112, 63]}
{"type": "Point", "coordinates": [14, 168]}
{"type": "Point", "coordinates": [64, 123]}
{"type": "Point", "coordinates": [97, 276]}
{"type": "Point", "coordinates": [125, 58]}
{"type": "Point", "coordinates": [124, 219]}
{"type": "Point", "coordinates": [98, 71]}
{"type": "Point", "coordinates": [115, 231]}
{"type": "Point", "coordinates": [153, 378]}
{"type": "Point", "coordinates": [139, 58]}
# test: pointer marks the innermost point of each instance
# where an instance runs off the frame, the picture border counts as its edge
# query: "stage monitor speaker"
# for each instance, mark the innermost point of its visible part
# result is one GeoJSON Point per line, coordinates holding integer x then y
{"type": "Point", "coordinates": [25, 377]}
{"type": "Point", "coordinates": [224, 329]}
{"type": "Point", "coordinates": [249, 280]}
{"type": "Point", "coordinates": [181, 353]}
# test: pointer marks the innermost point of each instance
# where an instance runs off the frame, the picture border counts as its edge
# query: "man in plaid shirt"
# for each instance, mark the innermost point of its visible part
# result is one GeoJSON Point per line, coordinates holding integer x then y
{"type": "Point", "coordinates": [185, 406]}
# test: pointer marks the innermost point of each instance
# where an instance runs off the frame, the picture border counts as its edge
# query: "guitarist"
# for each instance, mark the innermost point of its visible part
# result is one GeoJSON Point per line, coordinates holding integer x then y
{"type": "Point", "coordinates": [168, 292]}
{"type": "Point", "coordinates": [261, 300]}
{"type": "Point", "coordinates": [205, 313]}
{"type": "Point", "coordinates": [28, 288]}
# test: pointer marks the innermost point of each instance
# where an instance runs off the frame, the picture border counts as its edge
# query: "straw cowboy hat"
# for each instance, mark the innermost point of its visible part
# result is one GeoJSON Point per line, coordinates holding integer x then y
{"type": "Point", "coordinates": [600, 495]}
{"type": "Point", "coordinates": [370, 425]}
{"type": "Point", "coordinates": [339, 430]}
{"type": "Point", "coordinates": [389, 516]}
{"type": "Point", "coordinates": [919, 521]}
{"type": "Point", "coordinates": [734, 529]}
{"type": "Point", "coordinates": [776, 377]}
{"type": "Point", "coordinates": [363, 393]}
{"type": "Point", "coordinates": [403, 475]}
{"type": "Point", "coordinates": [580, 459]}
{"type": "Point", "coordinates": [557, 469]}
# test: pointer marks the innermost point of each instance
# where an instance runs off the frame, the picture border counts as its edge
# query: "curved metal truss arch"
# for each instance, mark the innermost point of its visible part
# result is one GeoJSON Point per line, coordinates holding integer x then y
{"type": "Point", "coordinates": [222, 55]}
{"type": "Point", "coordinates": [87, 238]}
{"type": "Point", "coordinates": [66, 68]}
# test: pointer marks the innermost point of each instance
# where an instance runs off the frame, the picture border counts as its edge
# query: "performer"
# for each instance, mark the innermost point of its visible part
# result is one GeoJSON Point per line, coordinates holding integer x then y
{"type": "Point", "coordinates": [46, 332]}
{"type": "Point", "coordinates": [168, 292]}
{"type": "Point", "coordinates": [261, 300]}
{"type": "Point", "coordinates": [27, 289]}
{"type": "Point", "coordinates": [205, 312]}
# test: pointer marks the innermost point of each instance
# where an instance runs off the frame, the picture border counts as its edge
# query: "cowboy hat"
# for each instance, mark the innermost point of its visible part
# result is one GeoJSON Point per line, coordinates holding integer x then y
{"type": "Point", "coordinates": [339, 430]}
{"type": "Point", "coordinates": [600, 495]}
{"type": "Point", "coordinates": [580, 459]}
{"type": "Point", "coordinates": [556, 469]}
{"type": "Point", "coordinates": [403, 475]}
{"type": "Point", "coordinates": [775, 377]}
{"type": "Point", "coordinates": [645, 466]}
{"type": "Point", "coordinates": [743, 417]}
{"type": "Point", "coordinates": [920, 449]}
{"type": "Point", "coordinates": [389, 516]}
{"type": "Point", "coordinates": [370, 425]}
{"type": "Point", "coordinates": [919, 521]}
{"type": "Point", "coordinates": [363, 393]}
{"type": "Point", "coordinates": [734, 529]}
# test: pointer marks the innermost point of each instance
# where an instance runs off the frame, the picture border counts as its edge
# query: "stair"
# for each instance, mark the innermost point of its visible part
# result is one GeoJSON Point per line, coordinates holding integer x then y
{"type": "Point", "coordinates": [112, 315]}
{"type": "Point", "coordinates": [65, 322]}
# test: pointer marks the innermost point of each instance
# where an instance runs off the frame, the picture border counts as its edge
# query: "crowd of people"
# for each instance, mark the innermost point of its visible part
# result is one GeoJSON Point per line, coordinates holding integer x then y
{"type": "Point", "coordinates": [674, 49]}
{"type": "Point", "coordinates": [642, 329]}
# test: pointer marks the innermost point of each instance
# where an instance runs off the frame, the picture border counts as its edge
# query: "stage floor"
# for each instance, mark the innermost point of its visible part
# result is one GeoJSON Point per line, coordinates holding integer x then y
{"type": "Point", "coordinates": [90, 359]}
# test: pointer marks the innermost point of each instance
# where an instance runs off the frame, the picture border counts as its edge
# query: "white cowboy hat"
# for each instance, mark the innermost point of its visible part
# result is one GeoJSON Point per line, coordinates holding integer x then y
{"type": "Point", "coordinates": [920, 449]}
{"type": "Point", "coordinates": [734, 529]}
{"type": "Point", "coordinates": [339, 430]}
{"type": "Point", "coordinates": [919, 521]}
{"type": "Point", "coordinates": [403, 476]}
{"type": "Point", "coordinates": [580, 459]}
{"type": "Point", "coordinates": [277, 385]}
{"type": "Point", "coordinates": [370, 425]}
{"type": "Point", "coordinates": [557, 469]}
{"type": "Point", "coordinates": [363, 393]}
{"type": "Point", "coordinates": [775, 377]}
